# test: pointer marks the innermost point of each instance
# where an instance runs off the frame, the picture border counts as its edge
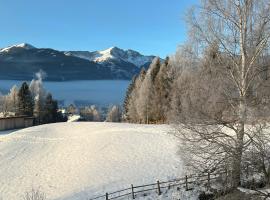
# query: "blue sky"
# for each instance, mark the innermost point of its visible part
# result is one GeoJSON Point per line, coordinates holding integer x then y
{"type": "Point", "coordinates": [148, 26]}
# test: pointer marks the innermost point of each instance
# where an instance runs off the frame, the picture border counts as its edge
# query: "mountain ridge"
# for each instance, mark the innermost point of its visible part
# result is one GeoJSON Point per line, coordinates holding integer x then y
{"type": "Point", "coordinates": [22, 61]}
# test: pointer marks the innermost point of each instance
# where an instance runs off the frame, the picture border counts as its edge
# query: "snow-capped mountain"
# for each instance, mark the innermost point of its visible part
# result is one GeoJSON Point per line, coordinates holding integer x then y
{"type": "Point", "coordinates": [22, 45]}
{"type": "Point", "coordinates": [113, 53]}
{"type": "Point", "coordinates": [22, 61]}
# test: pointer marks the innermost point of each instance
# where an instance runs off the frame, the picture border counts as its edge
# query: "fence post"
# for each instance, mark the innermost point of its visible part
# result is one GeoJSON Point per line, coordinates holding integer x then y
{"type": "Point", "coordinates": [132, 191]}
{"type": "Point", "coordinates": [186, 183]}
{"type": "Point", "coordinates": [107, 196]}
{"type": "Point", "coordinates": [208, 180]}
{"type": "Point", "coordinates": [158, 186]}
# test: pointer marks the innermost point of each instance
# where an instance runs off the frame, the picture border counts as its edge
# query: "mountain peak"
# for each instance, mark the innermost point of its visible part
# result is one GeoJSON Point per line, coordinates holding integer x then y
{"type": "Point", "coordinates": [114, 53]}
{"type": "Point", "coordinates": [22, 45]}
{"type": "Point", "coordinates": [25, 46]}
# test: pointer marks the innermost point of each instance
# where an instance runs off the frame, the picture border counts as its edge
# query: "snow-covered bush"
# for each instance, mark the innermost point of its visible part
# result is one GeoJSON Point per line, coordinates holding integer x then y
{"type": "Point", "coordinates": [34, 194]}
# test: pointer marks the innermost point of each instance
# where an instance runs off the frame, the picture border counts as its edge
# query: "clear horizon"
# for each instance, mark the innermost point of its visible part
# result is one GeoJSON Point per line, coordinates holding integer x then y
{"type": "Point", "coordinates": [151, 28]}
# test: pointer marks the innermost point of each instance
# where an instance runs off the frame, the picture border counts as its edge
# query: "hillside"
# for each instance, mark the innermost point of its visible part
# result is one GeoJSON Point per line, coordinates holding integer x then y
{"type": "Point", "coordinates": [22, 61]}
{"type": "Point", "coordinates": [78, 160]}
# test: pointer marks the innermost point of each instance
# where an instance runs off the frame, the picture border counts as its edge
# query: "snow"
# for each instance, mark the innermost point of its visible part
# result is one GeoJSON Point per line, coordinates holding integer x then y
{"type": "Point", "coordinates": [22, 45]}
{"type": "Point", "coordinates": [73, 118]}
{"type": "Point", "coordinates": [127, 56]}
{"type": "Point", "coordinates": [113, 53]}
{"type": "Point", "coordinates": [104, 55]}
{"type": "Point", "coordinates": [72, 161]}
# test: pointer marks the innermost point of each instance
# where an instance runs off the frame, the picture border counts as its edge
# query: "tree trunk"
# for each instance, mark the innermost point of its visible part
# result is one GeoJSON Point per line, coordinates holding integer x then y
{"type": "Point", "coordinates": [237, 160]}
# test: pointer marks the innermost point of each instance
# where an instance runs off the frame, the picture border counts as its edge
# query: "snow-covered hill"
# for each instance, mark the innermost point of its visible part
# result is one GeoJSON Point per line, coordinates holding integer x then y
{"type": "Point", "coordinates": [78, 160]}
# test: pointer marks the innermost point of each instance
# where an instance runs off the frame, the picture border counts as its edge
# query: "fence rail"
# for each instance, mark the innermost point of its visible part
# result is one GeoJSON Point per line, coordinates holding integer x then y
{"type": "Point", "coordinates": [183, 182]}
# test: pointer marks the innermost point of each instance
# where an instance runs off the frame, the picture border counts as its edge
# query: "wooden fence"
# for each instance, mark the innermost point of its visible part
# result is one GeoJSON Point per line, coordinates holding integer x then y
{"type": "Point", "coordinates": [159, 187]}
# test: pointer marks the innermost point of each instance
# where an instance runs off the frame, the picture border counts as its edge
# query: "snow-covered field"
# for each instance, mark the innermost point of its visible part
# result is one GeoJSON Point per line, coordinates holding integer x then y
{"type": "Point", "coordinates": [99, 92]}
{"type": "Point", "coordinates": [83, 159]}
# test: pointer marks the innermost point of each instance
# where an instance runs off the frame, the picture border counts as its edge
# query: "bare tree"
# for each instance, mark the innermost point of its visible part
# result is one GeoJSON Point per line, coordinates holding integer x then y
{"type": "Point", "coordinates": [224, 91]}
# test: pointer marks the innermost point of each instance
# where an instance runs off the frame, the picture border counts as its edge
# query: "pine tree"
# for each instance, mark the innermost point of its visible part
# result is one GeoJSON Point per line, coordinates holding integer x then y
{"type": "Point", "coordinates": [56, 116]}
{"type": "Point", "coordinates": [163, 87]}
{"type": "Point", "coordinates": [25, 101]}
{"type": "Point", "coordinates": [49, 109]}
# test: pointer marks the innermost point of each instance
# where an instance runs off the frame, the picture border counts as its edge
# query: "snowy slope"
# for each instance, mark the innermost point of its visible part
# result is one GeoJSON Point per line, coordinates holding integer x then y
{"type": "Point", "coordinates": [81, 159]}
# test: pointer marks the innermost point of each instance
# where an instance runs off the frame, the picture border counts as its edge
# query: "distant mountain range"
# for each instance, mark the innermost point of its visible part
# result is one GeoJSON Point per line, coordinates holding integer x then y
{"type": "Point", "coordinates": [21, 62]}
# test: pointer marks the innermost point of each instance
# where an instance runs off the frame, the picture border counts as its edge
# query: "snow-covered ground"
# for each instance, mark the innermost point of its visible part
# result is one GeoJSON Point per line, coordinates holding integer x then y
{"type": "Point", "coordinates": [83, 159]}
{"type": "Point", "coordinates": [73, 118]}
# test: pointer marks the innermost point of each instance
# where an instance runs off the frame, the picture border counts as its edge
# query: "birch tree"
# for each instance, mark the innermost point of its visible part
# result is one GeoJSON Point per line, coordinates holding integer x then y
{"type": "Point", "coordinates": [223, 91]}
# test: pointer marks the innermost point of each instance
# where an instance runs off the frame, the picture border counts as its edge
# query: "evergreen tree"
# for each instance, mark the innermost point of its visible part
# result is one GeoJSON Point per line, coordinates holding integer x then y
{"type": "Point", "coordinates": [25, 101]}
{"type": "Point", "coordinates": [163, 87]}
{"type": "Point", "coordinates": [56, 116]}
{"type": "Point", "coordinates": [49, 109]}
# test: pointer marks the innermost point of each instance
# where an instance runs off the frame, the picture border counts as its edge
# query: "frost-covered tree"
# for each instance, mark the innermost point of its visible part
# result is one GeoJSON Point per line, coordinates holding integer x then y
{"type": "Point", "coordinates": [149, 94]}
{"type": "Point", "coordinates": [13, 99]}
{"type": "Point", "coordinates": [219, 102]}
{"type": "Point", "coordinates": [133, 104]}
{"type": "Point", "coordinates": [114, 114]}
{"type": "Point", "coordinates": [9, 102]}
{"type": "Point", "coordinates": [128, 98]}
{"type": "Point", "coordinates": [147, 101]}
{"type": "Point", "coordinates": [90, 113]}
{"type": "Point", "coordinates": [163, 87]}
{"type": "Point", "coordinates": [4, 106]}
{"type": "Point", "coordinates": [71, 109]}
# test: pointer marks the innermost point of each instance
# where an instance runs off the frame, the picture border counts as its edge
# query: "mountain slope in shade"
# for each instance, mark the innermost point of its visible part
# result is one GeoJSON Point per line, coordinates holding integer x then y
{"type": "Point", "coordinates": [22, 61]}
